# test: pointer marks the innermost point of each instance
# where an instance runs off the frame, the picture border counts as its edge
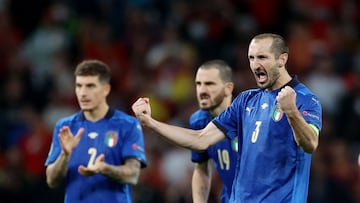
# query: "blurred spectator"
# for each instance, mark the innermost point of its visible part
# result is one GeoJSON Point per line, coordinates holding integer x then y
{"type": "Point", "coordinates": [326, 84]}
{"type": "Point", "coordinates": [348, 116]}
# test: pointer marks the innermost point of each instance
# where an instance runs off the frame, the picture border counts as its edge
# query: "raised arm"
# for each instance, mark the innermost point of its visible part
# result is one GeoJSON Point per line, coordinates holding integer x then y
{"type": "Point", "coordinates": [192, 139]}
{"type": "Point", "coordinates": [305, 135]}
{"type": "Point", "coordinates": [55, 172]}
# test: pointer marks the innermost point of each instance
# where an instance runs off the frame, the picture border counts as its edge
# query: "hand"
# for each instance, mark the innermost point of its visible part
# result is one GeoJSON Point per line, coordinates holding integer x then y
{"type": "Point", "coordinates": [68, 141]}
{"type": "Point", "coordinates": [142, 109]}
{"type": "Point", "coordinates": [93, 168]}
{"type": "Point", "coordinates": [286, 99]}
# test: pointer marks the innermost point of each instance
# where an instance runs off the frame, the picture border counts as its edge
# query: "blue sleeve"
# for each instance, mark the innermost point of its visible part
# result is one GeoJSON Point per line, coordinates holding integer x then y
{"type": "Point", "coordinates": [229, 121]}
{"type": "Point", "coordinates": [134, 146]}
{"type": "Point", "coordinates": [55, 148]}
{"type": "Point", "coordinates": [311, 109]}
{"type": "Point", "coordinates": [196, 123]}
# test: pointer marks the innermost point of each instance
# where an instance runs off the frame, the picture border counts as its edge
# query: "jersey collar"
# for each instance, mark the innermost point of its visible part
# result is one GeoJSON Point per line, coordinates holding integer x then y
{"type": "Point", "coordinates": [108, 115]}
{"type": "Point", "coordinates": [292, 83]}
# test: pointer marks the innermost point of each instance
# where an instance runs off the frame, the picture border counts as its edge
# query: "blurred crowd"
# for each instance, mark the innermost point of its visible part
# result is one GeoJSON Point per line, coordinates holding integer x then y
{"type": "Point", "coordinates": [154, 48]}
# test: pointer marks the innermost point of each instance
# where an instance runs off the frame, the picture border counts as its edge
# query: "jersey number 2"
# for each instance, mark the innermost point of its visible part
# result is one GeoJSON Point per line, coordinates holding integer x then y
{"type": "Point", "coordinates": [92, 151]}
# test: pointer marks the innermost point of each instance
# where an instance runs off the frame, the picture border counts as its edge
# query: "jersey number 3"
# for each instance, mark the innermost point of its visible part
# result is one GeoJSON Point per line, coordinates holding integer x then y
{"type": "Point", "coordinates": [255, 133]}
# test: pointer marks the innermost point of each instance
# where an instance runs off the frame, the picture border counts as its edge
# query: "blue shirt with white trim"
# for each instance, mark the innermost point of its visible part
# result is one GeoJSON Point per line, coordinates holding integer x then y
{"type": "Point", "coordinates": [118, 136]}
{"type": "Point", "coordinates": [271, 167]}
{"type": "Point", "coordinates": [224, 154]}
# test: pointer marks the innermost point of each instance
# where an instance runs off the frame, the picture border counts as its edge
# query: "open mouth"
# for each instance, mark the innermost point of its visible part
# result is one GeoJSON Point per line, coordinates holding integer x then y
{"type": "Point", "coordinates": [261, 76]}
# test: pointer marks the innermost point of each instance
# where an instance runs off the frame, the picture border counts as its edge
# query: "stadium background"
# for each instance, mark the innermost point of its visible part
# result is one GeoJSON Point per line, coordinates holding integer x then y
{"type": "Point", "coordinates": [153, 48]}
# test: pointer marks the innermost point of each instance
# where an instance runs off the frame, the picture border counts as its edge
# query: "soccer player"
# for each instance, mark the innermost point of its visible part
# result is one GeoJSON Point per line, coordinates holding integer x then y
{"type": "Point", "coordinates": [277, 125]}
{"type": "Point", "coordinates": [214, 88]}
{"type": "Point", "coordinates": [103, 159]}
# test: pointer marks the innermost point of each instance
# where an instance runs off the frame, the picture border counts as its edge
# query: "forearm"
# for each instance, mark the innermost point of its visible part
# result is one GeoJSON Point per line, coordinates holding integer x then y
{"type": "Point", "coordinates": [128, 173]}
{"type": "Point", "coordinates": [56, 171]}
{"type": "Point", "coordinates": [201, 183]}
{"type": "Point", "coordinates": [183, 137]}
{"type": "Point", "coordinates": [305, 136]}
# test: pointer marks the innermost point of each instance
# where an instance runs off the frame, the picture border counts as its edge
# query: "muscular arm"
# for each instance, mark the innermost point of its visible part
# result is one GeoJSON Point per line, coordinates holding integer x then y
{"type": "Point", "coordinates": [128, 173]}
{"type": "Point", "coordinates": [191, 139]}
{"type": "Point", "coordinates": [201, 182]}
{"type": "Point", "coordinates": [55, 172]}
{"type": "Point", "coordinates": [306, 136]}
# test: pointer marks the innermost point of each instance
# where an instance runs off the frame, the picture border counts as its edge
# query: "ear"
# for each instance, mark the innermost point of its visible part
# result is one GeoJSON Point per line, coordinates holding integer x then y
{"type": "Point", "coordinates": [229, 87]}
{"type": "Point", "coordinates": [283, 58]}
{"type": "Point", "coordinates": [107, 89]}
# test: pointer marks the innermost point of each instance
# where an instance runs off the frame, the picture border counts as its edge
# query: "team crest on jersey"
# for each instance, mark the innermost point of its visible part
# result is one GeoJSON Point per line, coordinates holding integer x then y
{"type": "Point", "coordinates": [234, 144]}
{"type": "Point", "coordinates": [277, 114]}
{"type": "Point", "coordinates": [111, 138]}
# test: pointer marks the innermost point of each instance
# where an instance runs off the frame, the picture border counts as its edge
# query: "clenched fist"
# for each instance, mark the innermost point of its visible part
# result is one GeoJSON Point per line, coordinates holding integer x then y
{"type": "Point", "coordinates": [286, 99]}
{"type": "Point", "coordinates": [142, 109]}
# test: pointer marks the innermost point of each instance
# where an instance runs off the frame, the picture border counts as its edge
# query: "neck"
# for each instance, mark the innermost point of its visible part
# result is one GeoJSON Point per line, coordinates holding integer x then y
{"type": "Point", "coordinates": [97, 113]}
{"type": "Point", "coordinates": [226, 103]}
{"type": "Point", "coordinates": [281, 81]}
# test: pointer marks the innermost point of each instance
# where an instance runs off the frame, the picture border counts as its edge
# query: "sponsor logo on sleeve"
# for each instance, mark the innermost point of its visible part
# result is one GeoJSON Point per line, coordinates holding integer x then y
{"type": "Point", "coordinates": [306, 113]}
{"type": "Point", "coordinates": [137, 147]}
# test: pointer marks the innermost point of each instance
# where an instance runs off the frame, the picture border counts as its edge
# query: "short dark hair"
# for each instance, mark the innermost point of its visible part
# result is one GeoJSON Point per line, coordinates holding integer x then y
{"type": "Point", "coordinates": [225, 70]}
{"type": "Point", "coordinates": [279, 45]}
{"type": "Point", "coordinates": [93, 67]}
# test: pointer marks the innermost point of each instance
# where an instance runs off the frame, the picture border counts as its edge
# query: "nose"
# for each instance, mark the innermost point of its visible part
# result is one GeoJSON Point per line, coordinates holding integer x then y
{"type": "Point", "coordinates": [81, 91]}
{"type": "Point", "coordinates": [254, 64]}
{"type": "Point", "coordinates": [201, 88]}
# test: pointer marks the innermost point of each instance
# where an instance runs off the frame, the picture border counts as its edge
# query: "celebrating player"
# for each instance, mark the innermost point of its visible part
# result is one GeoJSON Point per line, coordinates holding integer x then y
{"type": "Point", "coordinates": [277, 125]}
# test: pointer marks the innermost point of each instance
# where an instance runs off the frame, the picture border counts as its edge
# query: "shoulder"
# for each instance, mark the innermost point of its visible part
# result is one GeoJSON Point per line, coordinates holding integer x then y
{"type": "Point", "coordinates": [302, 89]}
{"type": "Point", "coordinates": [200, 114]}
{"type": "Point", "coordinates": [200, 118]}
{"type": "Point", "coordinates": [304, 93]}
{"type": "Point", "coordinates": [121, 116]}
{"type": "Point", "coordinates": [247, 95]}
{"type": "Point", "coordinates": [70, 119]}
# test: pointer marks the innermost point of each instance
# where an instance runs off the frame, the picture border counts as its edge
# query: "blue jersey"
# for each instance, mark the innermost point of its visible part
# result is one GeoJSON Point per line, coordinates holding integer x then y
{"type": "Point", "coordinates": [223, 153]}
{"type": "Point", "coordinates": [118, 136]}
{"type": "Point", "coordinates": [272, 167]}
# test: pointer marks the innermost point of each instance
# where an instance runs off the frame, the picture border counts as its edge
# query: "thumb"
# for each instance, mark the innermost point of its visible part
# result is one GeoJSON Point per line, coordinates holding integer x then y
{"type": "Point", "coordinates": [100, 158]}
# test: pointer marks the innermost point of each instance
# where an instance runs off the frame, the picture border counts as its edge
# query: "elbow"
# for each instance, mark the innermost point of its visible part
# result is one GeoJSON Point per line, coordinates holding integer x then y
{"type": "Point", "coordinates": [310, 150]}
{"type": "Point", "coordinates": [51, 180]}
{"type": "Point", "coordinates": [51, 183]}
{"type": "Point", "coordinates": [311, 146]}
{"type": "Point", "coordinates": [132, 180]}
{"type": "Point", "coordinates": [200, 146]}
{"type": "Point", "coordinates": [204, 147]}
